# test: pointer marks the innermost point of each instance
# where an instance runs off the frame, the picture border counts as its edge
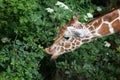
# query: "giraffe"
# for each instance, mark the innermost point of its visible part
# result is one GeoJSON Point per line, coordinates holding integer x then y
{"type": "Point", "coordinates": [74, 34]}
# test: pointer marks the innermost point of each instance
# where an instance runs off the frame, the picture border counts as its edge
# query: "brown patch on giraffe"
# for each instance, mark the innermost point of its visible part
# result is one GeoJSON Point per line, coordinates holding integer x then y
{"type": "Point", "coordinates": [62, 44]}
{"type": "Point", "coordinates": [72, 40]}
{"type": "Point", "coordinates": [86, 36]}
{"type": "Point", "coordinates": [62, 49]}
{"type": "Point", "coordinates": [94, 37]}
{"type": "Point", "coordinates": [104, 29]}
{"type": "Point", "coordinates": [85, 40]}
{"type": "Point", "coordinates": [97, 23]}
{"type": "Point", "coordinates": [116, 25]}
{"type": "Point", "coordinates": [73, 44]}
{"type": "Point", "coordinates": [77, 43]}
{"type": "Point", "coordinates": [111, 17]}
{"type": "Point", "coordinates": [67, 45]}
{"type": "Point", "coordinates": [93, 32]}
{"type": "Point", "coordinates": [91, 28]}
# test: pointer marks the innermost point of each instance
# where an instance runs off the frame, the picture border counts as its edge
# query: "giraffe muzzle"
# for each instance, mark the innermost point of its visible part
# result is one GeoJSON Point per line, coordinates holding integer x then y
{"type": "Point", "coordinates": [51, 52]}
{"type": "Point", "coordinates": [48, 51]}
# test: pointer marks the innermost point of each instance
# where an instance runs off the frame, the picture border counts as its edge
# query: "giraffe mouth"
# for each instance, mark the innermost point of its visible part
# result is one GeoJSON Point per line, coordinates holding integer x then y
{"type": "Point", "coordinates": [48, 51]}
{"type": "Point", "coordinates": [51, 52]}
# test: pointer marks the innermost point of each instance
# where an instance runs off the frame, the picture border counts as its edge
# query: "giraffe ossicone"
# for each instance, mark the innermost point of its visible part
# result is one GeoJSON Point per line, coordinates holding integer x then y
{"type": "Point", "coordinates": [72, 35]}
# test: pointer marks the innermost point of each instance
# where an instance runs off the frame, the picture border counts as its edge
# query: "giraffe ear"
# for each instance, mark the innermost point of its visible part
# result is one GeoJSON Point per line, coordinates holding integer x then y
{"type": "Point", "coordinates": [74, 18]}
{"type": "Point", "coordinates": [76, 32]}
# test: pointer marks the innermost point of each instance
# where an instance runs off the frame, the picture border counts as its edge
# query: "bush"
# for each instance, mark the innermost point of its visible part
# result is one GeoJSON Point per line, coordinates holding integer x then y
{"type": "Point", "coordinates": [27, 27]}
{"type": "Point", "coordinates": [20, 50]}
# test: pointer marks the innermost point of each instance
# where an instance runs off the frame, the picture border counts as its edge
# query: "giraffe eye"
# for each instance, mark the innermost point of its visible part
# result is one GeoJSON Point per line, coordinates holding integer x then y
{"type": "Point", "coordinates": [66, 38]}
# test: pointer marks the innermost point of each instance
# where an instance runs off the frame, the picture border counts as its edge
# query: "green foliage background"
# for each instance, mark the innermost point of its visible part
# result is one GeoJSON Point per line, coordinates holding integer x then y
{"type": "Point", "coordinates": [26, 28]}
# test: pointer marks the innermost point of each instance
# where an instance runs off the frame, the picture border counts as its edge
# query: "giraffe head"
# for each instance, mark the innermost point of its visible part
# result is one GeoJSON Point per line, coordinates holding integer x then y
{"type": "Point", "coordinates": [69, 38]}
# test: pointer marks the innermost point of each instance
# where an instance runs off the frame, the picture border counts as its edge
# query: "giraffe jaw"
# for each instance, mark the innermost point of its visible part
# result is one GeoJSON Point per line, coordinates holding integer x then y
{"type": "Point", "coordinates": [54, 56]}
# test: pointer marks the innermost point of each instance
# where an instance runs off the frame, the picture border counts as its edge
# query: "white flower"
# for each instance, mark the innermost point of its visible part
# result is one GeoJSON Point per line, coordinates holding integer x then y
{"type": "Point", "coordinates": [66, 7]}
{"type": "Point", "coordinates": [4, 39]}
{"type": "Point", "coordinates": [107, 53]}
{"type": "Point", "coordinates": [99, 9]}
{"type": "Point", "coordinates": [50, 10]}
{"type": "Point", "coordinates": [62, 5]}
{"type": "Point", "coordinates": [107, 44]}
{"type": "Point", "coordinates": [89, 15]}
{"type": "Point", "coordinates": [85, 18]}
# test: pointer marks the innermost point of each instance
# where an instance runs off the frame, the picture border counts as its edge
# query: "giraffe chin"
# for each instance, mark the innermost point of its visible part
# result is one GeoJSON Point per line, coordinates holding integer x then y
{"type": "Point", "coordinates": [54, 57]}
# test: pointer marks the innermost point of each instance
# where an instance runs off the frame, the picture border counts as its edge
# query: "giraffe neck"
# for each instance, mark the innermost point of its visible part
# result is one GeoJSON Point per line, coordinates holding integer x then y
{"type": "Point", "coordinates": [104, 25]}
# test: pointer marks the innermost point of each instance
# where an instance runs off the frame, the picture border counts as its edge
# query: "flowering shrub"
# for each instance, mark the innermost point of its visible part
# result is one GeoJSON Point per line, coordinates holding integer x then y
{"type": "Point", "coordinates": [28, 26]}
{"type": "Point", "coordinates": [49, 10]}
{"type": "Point", "coordinates": [62, 5]}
